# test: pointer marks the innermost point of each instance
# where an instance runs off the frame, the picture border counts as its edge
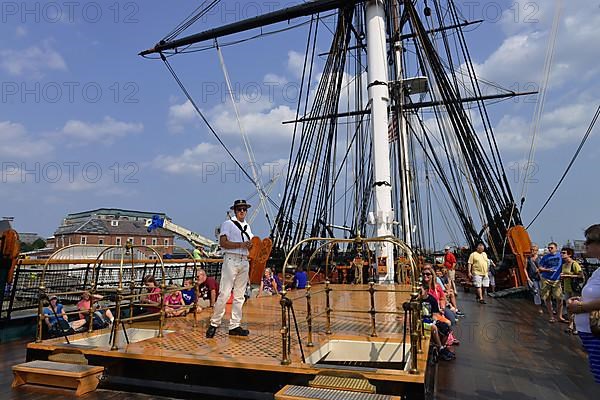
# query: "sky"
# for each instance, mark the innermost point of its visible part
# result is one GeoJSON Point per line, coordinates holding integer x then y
{"type": "Point", "coordinates": [86, 123]}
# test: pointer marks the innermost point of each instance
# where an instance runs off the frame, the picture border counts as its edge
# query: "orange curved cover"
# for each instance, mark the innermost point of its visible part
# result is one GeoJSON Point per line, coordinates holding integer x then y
{"type": "Point", "coordinates": [520, 244]}
{"type": "Point", "coordinates": [10, 250]}
{"type": "Point", "coordinates": [259, 254]}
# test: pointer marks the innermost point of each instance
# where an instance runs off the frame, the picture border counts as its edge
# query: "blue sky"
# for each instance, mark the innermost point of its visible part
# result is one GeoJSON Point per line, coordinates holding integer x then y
{"type": "Point", "coordinates": [86, 123]}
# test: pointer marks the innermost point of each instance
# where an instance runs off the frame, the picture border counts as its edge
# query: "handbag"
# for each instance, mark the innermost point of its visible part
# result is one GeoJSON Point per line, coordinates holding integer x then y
{"type": "Point", "coordinates": [595, 323]}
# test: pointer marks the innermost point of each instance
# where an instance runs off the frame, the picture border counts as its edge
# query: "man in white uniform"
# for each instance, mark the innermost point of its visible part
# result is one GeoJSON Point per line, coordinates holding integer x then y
{"type": "Point", "coordinates": [235, 242]}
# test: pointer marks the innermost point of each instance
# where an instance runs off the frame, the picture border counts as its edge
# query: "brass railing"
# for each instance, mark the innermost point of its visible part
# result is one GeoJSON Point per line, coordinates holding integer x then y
{"type": "Point", "coordinates": [413, 306]}
{"type": "Point", "coordinates": [121, 298]}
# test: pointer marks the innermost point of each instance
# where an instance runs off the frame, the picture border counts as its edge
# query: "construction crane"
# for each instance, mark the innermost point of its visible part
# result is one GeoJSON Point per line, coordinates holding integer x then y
{"type": "Point", "coordinates": [194, 238]}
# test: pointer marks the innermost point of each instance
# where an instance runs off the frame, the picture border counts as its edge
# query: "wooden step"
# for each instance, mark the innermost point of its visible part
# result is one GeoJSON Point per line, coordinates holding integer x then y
{"type": "Point", "coordinates": [354, 384]}
{"type": "Point", "coordinates": [292, 392]}
{"type": "Point", "coordinates": [81, 378]}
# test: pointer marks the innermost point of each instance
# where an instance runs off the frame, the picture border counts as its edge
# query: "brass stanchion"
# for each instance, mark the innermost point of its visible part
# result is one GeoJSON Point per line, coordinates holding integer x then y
{"type": "Point", "coordinates": [41, 317]}
{"type": "Point", "coordinates": [161, 320]}
{"type": "Point", "coordinates": [327, 308]}
{"type": "Point", "coordinates": [117, 321]}
{"type": "Point", "coordinates": [372, 310]}
{"type": "Point", "coordinates": [414, 334]}
{"type": "Point", "coordinates": [284, 331]}
{"type": "Point", "coordinates": [309, 316]}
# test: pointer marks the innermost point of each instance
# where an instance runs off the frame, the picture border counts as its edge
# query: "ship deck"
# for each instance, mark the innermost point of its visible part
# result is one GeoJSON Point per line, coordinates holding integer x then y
{"type": "Point", "coordinates": [507, 351]}
{"type": "Point", "coordinates": [250, 365]}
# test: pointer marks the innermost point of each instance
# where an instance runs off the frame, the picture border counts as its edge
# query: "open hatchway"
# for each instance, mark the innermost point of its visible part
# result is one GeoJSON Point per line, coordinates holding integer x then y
{"type": "Point", "coordinates": [387, 354]}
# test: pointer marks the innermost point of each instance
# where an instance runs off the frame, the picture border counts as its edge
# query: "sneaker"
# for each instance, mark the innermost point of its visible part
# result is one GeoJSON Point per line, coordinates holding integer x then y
{"type": "Point", "coordinates": [446, 354]}
{"type": "Point", "coordinates": [210, 332]}
{"type": "Point", "coordinates": [460, 314]}
{"type": "Point", "coordinates": [239, 331]}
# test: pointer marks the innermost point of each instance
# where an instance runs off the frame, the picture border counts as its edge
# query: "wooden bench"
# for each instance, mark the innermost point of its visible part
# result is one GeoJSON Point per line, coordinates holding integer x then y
{"type": "Point", "coordinates": [81, 378]}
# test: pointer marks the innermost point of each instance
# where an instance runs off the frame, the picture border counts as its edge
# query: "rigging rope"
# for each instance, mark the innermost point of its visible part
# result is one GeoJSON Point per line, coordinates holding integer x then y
{"type": "Point", "coordinates": [535, 124]}
{"type": "Point", "coordinates": [249, 151]}
{"type": "Point", "coordinates": [562, 178]}
{"type": "Point", "coordinates": [203, 117]}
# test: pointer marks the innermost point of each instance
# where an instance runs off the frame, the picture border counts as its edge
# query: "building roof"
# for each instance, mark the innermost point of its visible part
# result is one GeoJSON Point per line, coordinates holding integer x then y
{"type": "Point", "coordinates": [117, 212]}
{"type": "Point", "coordinates": [4, 225]}
{"type": "Point", "coordinates": [96, 226]}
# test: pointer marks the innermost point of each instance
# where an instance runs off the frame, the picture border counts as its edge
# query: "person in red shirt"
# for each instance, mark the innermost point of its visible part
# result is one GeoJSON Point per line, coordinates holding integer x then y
{"type": "Point", "coordinates": [207, 290]}
{"type": "Point", "coordinates": [450, 264]}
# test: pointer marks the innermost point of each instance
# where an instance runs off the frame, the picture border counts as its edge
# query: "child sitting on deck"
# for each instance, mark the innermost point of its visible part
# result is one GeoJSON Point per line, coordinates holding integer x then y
{"type": "Point", "coordinates": [188, 292]}
{"type": "Point", "coordinates": [174, 304]}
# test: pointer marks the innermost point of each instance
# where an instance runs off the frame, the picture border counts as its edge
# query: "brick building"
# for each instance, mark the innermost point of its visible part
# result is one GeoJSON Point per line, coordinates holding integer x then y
{"type": "Point", "coordinates": [112, 226]}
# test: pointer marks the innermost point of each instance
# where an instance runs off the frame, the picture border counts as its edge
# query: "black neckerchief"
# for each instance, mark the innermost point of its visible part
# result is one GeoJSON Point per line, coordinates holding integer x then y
{"type": "Point", "coordinates": [242, 229]}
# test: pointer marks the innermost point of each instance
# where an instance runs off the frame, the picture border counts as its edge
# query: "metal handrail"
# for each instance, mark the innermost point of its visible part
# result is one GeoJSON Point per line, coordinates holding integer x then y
{"type": "Point", "coordinates": [120, 297]}
{"type": "Point", "coordinates": [414, 305]}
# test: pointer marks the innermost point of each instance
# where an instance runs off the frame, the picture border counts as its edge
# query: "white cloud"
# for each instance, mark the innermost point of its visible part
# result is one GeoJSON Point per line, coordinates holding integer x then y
{"type": "Point", "coordinates": [32, 61]}
{"type": "Point", "coordinates": [295, 63]}
{"type": "Point", "coordinates": [181, 115]}
{"type": "Point", "coordinates": [106, 131]}
{"type": "Point", "coordinates": [203, 158]}
{"type": "Point", "coordinates": [18, 143]}
{"type": "Point", "coordinates": [21, 31]}
{"type": "Point", "coordinates": [274, 78]}
{"type": "Point", "coordinates": [558, 126]}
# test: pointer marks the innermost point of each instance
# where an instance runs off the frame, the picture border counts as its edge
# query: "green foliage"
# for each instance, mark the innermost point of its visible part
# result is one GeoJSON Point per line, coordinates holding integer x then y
{"type": "Point", "coordinates": [38, 244]}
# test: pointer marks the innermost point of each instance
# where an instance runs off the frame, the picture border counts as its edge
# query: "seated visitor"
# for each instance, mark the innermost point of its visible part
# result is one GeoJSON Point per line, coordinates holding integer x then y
{"type": "Point", "coordinates": [101, 318]}
{"type": "Point", "coordinates": [207, 290]}
{"type": "Point", "coordinates": [300, 278]}
{"type": "Point", "coordinates": [174, 304]}
{"type": "Point", "coordinates": [440, 331]}
{"type": "Point", "coordinates": [188, 292]}
{"type": "Point", "coordinates": [57, 321]}
{"type": "Point", "coordinates": [268, 284]}
{"type": "Point", "coordinates": [151, 300]}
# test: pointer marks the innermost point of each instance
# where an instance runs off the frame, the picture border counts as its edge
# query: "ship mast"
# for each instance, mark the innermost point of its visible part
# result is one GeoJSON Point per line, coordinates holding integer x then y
{"type": "Point", "coordinates": [379, 96]}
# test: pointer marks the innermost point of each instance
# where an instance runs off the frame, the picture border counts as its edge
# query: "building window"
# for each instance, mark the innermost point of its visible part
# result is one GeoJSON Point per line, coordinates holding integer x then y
{"type": "Point", "coordinates": [83, 240]}
{"type": "Point", "coordinates": [130, 240]}
{"type": "Point", "coordinates": [143, 241]}
{"type": "Point", "coordinates": [118, 241]}
{"type": "Point", "coordinates": [154, 241]}
{"type": "Point", "coordinates": [166, 242]}
{"type": "Point", "coordinates": [101, 241]}
{"type": "Point", "coordinates": [114, 223]}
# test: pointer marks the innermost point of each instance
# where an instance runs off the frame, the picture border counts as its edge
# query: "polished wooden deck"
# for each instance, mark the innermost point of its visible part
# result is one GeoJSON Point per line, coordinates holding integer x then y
{"type": "Point", "coordinates": [510, 351]}
{"type": "Point", "coordinates": [261, 351]}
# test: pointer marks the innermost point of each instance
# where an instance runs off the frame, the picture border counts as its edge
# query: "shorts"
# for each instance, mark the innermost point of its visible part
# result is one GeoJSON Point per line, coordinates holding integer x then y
{"type": "Point", "coordinates": [481, 281]}
{"type": "Point", "coordinates": [203, 303]}
{"type": "Point", "coordinates": [551, 289]}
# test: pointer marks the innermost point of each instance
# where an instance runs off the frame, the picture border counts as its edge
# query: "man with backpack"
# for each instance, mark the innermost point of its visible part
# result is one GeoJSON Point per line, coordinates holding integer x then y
{"type": "Point", "coordinates": [235, 242]}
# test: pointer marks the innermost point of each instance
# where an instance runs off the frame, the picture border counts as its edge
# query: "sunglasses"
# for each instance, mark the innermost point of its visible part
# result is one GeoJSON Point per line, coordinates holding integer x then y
{"type": "Point", "coordinates": [563, 252]}
{"type": "Point", "coordinates": [427, 273]}
{"type": "Point", "coordinates": [241, 210]}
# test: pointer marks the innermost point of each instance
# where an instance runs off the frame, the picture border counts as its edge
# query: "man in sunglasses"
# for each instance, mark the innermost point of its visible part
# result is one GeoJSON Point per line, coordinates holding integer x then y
{"type": "Point", "coordinates": [234, 239]}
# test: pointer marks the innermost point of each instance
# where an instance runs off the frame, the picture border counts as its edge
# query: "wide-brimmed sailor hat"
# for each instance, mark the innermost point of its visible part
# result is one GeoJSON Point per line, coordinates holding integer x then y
{"type": "Point", "coordinates": [239, 203]}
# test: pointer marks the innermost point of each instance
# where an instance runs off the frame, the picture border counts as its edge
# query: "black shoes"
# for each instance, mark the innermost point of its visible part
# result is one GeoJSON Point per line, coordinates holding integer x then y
{"type": "Point", "coordinates": [239, 331]}
{"type": "Point", "coordinates": [210, 333]}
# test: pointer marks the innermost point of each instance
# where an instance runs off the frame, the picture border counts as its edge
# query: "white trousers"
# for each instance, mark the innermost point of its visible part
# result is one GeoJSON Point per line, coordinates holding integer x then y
{"type": "Point", "coordinates": [234, 276]}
